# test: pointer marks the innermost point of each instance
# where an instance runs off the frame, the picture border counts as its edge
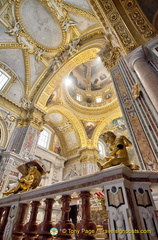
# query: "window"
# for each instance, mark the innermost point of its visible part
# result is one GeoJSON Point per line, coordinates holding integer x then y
{"type": "Point", "coordinates": [99, 99]}
{"type": "Point", "coordinates": [101, 148]}
{"type": "Point", "coordinates": [43, 139]}
{"type": "Point", "coordinates": [78, 98]}
{"type": "Point", "coordinates": [4, 78]}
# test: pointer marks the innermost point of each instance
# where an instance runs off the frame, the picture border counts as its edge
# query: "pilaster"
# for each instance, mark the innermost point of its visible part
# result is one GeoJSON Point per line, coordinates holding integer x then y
{"type": "Point", "coordinates": [138, 110]}
{"type": "Point", "coordinates": [88, 159]}
{"type": "Point", "coordinates": [131, 210]}
{"type": "Point", "coordinates": [25, 134]}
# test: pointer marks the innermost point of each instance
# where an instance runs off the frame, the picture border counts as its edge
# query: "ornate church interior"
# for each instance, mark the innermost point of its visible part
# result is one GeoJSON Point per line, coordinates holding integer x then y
{"type": "Point", "coordinates": [70, 73]}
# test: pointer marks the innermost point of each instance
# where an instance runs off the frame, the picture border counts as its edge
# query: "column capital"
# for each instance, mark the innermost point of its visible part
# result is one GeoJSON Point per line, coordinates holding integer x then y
{"type": "Point", "coordinates": [110, 56]}
{"type": "Point", "coordinates": [89, 155]}
{"type": "Point", "coordinates": [31, 116]}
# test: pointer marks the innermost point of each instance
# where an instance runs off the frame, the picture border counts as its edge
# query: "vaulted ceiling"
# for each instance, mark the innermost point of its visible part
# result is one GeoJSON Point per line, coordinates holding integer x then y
{"type": "Point", "coordinates": [52, 50]}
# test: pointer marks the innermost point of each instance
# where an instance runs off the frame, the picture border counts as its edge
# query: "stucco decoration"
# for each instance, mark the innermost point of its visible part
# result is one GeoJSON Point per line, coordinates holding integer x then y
{"type": "Point", "coordinates": [57, 117]}
{"type": "Point", "coordinates": [40, 23]}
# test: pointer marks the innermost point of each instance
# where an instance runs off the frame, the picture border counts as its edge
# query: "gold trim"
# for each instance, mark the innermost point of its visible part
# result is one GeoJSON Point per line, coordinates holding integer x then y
{"type": "Point", "coordinates": [83, 12]}
{"type": "Point", "coordinates": [77, 126]}
{"type": "Point", "coordinates": [54, 79]}
{"type": "Point", "coordinates": [30, 38]}
{"type": "Point", "coordinates": [139, 20]}
{"type": "Point", "coordinates": [110, 18]}
{"type": "Point", "coordinates": [27, 72]}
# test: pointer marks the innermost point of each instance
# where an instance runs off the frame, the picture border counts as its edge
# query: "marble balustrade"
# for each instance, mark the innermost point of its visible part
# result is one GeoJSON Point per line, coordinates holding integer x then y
{"type": "Point", "coordinates": [128, 201]}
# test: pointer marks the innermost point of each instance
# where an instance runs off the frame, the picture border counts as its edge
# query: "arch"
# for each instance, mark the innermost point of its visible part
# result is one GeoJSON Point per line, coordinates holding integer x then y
{"type": "Point", "coordinates": [3, 133]}
{"type": "Point", "coordinates": [53, 79]}
{"type": "Point", "coordinates": [78, 127]}
{"type": "Point", "coordinates": [99, 129]}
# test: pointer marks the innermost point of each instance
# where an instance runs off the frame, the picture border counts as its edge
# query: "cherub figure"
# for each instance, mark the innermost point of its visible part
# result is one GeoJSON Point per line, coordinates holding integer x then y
{"type": "Point", "coordinates": [117, 150]}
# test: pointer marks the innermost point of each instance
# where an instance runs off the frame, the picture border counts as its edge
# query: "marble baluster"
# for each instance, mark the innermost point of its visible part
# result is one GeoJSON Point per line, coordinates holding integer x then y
{"type": "Point", "coordinates": [17, 232]}
{"type": "Point", "coordinates": [5, 213]}
{"type": "Point", "coordinates": [86, 228]}
{"type": "Point", "coordinates": [65, 226]}
{"type": "Point", "coordinates": [1, 213]}
{"type": "Point", "coordinates": [46, 225]}
{"type": "Point", "coordinates": [31, 228]}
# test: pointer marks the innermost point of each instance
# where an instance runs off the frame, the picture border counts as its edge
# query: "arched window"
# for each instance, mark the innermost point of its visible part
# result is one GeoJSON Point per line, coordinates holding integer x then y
{"type": "Point", "coordinates": [101, 147]}
{"type": "Point", "coordinates": [44, 138]}
{"type": "Point", "coordinates": [4, 79]}
{"type": "Point", "coordinates": [98, 99]}
{"type": "Point", "coordinates": [78, 97]}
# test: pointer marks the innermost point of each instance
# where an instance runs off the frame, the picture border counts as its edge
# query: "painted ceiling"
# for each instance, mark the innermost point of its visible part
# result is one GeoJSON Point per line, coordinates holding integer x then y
{"type": "Point", "coordinates": [45, 42]}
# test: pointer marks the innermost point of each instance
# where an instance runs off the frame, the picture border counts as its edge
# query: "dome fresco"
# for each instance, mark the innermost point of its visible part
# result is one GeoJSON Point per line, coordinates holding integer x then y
{"type": "Point", "coordinates": [90, 84]}
{"type": "Point", "coordinates": [90, 76]}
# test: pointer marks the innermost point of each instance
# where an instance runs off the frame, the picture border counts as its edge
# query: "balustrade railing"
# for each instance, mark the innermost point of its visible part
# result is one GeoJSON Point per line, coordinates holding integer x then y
{"type": "Point", "coordinates": [123, 200]}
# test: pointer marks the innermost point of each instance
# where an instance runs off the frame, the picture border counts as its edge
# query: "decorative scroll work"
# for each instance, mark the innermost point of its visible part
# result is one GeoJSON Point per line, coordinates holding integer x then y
{"type": "Point", "coordinates": [106, 10]}
{"type": "Point", "coordinates": [139, 20]}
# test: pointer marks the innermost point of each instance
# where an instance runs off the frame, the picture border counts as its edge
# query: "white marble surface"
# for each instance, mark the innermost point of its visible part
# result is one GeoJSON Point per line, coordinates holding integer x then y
{"type": "Point", "coordinates": [89, 182]}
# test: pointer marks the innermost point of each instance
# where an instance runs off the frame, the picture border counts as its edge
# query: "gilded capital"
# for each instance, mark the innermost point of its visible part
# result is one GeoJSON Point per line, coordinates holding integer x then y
{"type": "Point", "coordinates": [110, 56]}
{"type": "Point", "coordinates": [89, 155]}
{"type": "Point", "coordinates": [31, 116]}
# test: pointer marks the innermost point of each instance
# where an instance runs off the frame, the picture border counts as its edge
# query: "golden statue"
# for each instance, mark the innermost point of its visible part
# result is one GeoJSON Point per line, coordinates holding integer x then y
{"type": "Point", "coordinates": [31, 177]}
{"type": "Point", "coordinates": [118, 152]}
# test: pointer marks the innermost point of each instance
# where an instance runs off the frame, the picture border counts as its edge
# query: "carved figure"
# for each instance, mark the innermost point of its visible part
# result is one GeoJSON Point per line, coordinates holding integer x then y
{"type": "Point", "coordinates": [25, 43]}
{"type": "Point", "coordinates": [24, 183]}
{"type": "Point", "coordinates": [38, 54]}
{"type": "Point", "coordinates": [31, 177]}
{"type": "Point", "coordinates": [117, 150]}
{"type": "Point", "coordinates": [55, 64]}
{"type": "Point", "coordinates": [73, 47]}
{"type": "Point", "coordinates": [15, 30]}
{"type": "Point", "coordinates": [68, 24]}
{"type": "Point", "coordinates": [136, 91]}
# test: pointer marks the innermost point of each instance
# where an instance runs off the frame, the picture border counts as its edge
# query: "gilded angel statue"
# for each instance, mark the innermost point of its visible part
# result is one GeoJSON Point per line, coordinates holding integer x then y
{"type": "Point", "coordinates": [31, 176]}
{"type": "Point", "coordinates": [117, 151]}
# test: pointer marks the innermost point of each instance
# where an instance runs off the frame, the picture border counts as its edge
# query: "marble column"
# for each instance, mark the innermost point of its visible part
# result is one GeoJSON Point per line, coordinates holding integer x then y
{"type": "Point", "coordinates": [25, 135]}
{"type": "Point", "coordinates": [146, 74]}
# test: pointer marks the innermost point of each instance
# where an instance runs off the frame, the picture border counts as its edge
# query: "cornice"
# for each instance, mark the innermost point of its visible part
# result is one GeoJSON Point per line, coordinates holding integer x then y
{"type": "Point", "coordinates": [7, 103]}
{"type": "Point", "coordinates": [80, 11]}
